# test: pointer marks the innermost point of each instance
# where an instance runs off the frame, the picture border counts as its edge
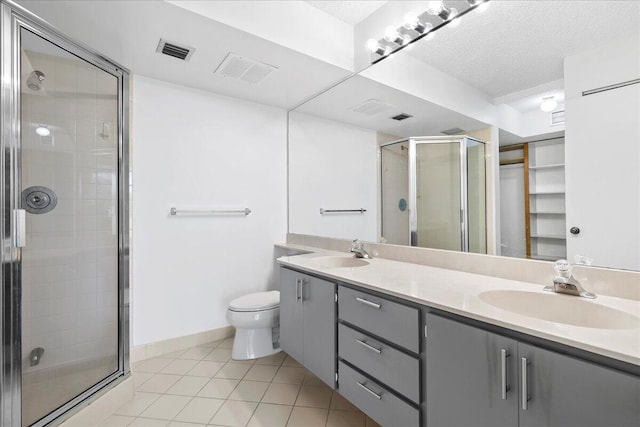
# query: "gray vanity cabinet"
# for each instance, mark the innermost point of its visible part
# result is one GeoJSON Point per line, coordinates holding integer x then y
{"type": "Point", "coordinates": [564, 391]}
{"type": "Point", "coordinates": [470, 376]}
{"type": "Point", "coordinates": [308, 322]}
{"type": "Point", "coordinates": [478, 378]}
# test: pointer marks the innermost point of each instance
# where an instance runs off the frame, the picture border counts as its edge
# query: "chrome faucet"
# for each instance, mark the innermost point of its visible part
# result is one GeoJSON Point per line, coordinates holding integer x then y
{"type": "Point", "coordinates": [357, 248]}
{"type": "Point", "coordinates": [565, 283]}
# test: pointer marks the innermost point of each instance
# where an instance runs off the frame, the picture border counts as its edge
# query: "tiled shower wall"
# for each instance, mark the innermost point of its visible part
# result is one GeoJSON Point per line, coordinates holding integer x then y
{"type": "Point", "coordinates": [69, 301]}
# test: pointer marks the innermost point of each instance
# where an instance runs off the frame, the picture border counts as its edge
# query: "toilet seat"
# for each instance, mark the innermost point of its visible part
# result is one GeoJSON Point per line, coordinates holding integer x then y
{"type": "Point", "coordinates": [258, 301]}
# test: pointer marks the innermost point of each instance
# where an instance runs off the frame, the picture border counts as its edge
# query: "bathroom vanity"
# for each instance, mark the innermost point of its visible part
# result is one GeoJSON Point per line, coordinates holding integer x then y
{"type": "Point", "coordinates": [412, 345]}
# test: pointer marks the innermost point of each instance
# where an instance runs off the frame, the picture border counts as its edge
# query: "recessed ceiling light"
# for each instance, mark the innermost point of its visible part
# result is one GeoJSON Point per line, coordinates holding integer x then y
{"type": "Point", "coordinates": [548, 104]}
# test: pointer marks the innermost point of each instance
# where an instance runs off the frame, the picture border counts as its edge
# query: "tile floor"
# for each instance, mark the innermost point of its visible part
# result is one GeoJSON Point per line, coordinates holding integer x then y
{"type": "Point", "coordinates": [202, 386]}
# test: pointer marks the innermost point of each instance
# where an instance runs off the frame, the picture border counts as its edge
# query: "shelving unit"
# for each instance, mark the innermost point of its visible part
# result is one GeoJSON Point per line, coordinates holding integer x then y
{"type": "Point", "coordinates": [547, 222]}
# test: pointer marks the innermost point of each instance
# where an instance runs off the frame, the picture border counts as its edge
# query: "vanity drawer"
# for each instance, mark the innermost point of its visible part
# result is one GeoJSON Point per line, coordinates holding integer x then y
{"type": "Point", "coordinates": [392, 321]}
{"type": "Point", "coordinates": [379, 404]}
{"type": "Point", "coordinates": [392, 367]}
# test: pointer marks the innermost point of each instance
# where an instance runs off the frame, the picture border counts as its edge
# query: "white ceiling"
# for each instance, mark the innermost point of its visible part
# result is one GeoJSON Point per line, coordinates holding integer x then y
{"type": "Point", "coordinates": [128, 32]}
{"type": "Point", "coordinates": [516, 45]}
{"type": "Point", "coordinates": [351, 12]}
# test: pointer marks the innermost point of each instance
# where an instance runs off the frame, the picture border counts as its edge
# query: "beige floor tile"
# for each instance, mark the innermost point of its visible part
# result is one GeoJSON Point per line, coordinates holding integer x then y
{"type": "Point", "coordinates": [307, 417]}
{"type": "Point", "coordinates": [211, 344]}
{"type": "Point", "coordinates": [199, 410]}
{"type": "Point", "coordinates": [234, 371]}
{"type": "Point", "coordinates": [183, 424]}
{"type": "Point", "coordinates": [234, 413]}
{"type": "Point", "coordinates": [188, 386]}
{"type": "Point", "coordinates": [226, 343]}
{"type": "Point", "coordinates": [179, 367]}
{"type": "Point", "coordinates": [148, 422]}
{"type": "Point", "coordinates": [140, 377]}
{"type": "Point", "coordinates": [138, 404]}
{"type": "Point", "coordinates": [174, 354]}
{"type": "Point", "coordinates": [290, 361]}
{"type": "Point", "coordinates": [117, 421]}
{"type": "Point", "coordinates": [339, 402]}
{"type": "Point", "coordinates": [218, 388]}
{"type": "Point", "coordinates": [339, 418]}
{"type": "Point", "coordinates": [249, 391]}
{"type": "Point", "coordinates": [281, 394]}
{"type": "Point", "coordinates": [314, 396]}
{"type": "Point", "coordinates": [310, 379]}
{"type": "Point", "coordinates": [159, 383]}
{"type": "Point", "coordinates": [166, 407]}
{"type": "Point", "coordinates": [261, 373]}
{"type": "Point", "coordinates": [290, 375]}
{"type": "Point", "coordinates": [219, 355]}
{"type": "Point", "coordinates": [206, 368]}
{"type": "Point", "coordinates": [268, 415]}
{"type": "Point", "coordinates": [371, 423]}
{"type": "Point", "coordinates": [274, 359]}
{"type": "Point", "coordinates": [152, 365]}
{"type": "Point", "coordinates": [196, 353]}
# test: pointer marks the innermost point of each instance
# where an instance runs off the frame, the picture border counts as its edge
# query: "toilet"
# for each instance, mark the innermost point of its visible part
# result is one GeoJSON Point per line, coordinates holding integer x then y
{"type": "Point", "coordinates": [256, 318]}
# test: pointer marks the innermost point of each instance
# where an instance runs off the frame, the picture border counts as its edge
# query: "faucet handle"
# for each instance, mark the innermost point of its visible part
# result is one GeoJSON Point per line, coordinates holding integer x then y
{"type": "Point", "coordinates": [563, 268]}
{"type": "Point", "coordinates": [357, 244]}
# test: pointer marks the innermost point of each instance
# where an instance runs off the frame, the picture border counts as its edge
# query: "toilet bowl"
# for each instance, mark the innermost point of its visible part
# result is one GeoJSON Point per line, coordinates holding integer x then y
{"type": "Point", "coordinates": [256, 318]}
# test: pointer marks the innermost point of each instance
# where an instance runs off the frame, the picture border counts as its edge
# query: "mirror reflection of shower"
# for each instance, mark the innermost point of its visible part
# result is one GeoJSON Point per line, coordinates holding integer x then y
{"type": "Point", "coordinates": [35, 79]}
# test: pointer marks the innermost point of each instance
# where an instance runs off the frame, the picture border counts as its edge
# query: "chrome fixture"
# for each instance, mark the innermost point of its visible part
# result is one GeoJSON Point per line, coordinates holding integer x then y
{"type": "Point", "coordinates": [326, 211]}
{"type": "Point", "coordinates": [415, 26]}
{"type": "Point", "coordinates": [39, 199]}
{"type": "Point", "coordinates": [357, 248]}
{"type": "Point", "coordinates": [175, 211]}
{"type": "Point", "coordinates": [35, 79]}
{"type": "Point", "coordinates": [35, 356]}
{"type": "Point", "coordinates": [565, 283]}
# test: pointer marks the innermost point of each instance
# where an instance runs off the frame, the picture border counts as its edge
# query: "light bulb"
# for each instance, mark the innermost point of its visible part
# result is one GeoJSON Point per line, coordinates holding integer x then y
{"type": "Point", "coordinates": [410, 21]}
{"type": "Point", "coordinates": [43, 130]}
{"type": "Point", "coordinates": [406, 39]}
{"type": "Point", "coordinates": [434, 7]}
{"type": "Point", "coordinates": [391, 34]}
{"type": "Point", "coordinates": [454, 20]}
{"type": "Point", "coordinates": [548, 104]}
{"type": "Point", "coordinates": [373, 45]}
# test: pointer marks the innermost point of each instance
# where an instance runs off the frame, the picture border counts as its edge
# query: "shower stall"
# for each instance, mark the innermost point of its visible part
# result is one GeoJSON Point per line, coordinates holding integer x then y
{"type": "Point", "coordinates": [63, 221]}
{"type": "Point", "coordinates": [432, 193]}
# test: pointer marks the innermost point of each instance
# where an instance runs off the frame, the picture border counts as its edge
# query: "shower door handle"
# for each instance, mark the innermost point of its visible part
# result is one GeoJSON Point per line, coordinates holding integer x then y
{"type": "Point", "coordinates": [21, 228]}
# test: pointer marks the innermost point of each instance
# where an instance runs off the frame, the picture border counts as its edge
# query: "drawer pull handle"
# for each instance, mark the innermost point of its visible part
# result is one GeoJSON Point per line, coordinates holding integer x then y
{"type": "Point", "coordinates": [503, 365]}
{"type": "Point", "coordinates": [369, 303]}
{"type": "Point", "coordinates": [369, 346]}
{"type": "Point", "coordinates": [525, 386]}
{"type": "Point", "coordinates": [371, 392]}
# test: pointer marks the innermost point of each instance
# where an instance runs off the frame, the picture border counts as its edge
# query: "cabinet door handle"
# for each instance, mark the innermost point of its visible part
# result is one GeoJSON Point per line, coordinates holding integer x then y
{"type": "Point", "coordinates": [302, 280]}
{"type": "Point", "coordinates": [369, 346]}
{"type": "Point", "coordinates": [297, 290]}
{"type": "Point", "coordinates": [525, 386]}
{"type": "Point", "coordinates": [371, 392]}
{"type": "Point", "coordinates": [369, 303]}
{"type": "Point", "coordinates": [503, 369]}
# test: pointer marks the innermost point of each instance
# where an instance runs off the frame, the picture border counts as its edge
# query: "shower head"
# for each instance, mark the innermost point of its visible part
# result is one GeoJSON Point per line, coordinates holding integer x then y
{"type": "Point", "coordinates": [34, 82]}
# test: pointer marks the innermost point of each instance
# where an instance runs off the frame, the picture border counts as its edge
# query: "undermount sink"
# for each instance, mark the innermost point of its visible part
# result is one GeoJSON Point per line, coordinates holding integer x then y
{"type": "Point", "coordinates": [569, 310]}
{"type": "Point", "coordinates": [339, 261]}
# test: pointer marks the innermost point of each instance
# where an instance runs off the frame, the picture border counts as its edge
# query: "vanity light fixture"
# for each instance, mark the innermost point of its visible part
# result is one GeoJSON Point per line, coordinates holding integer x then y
{"type": "Point", "coordinates": [43, 130]}
{"type": "Point", "coordinates": [413, 22]}
{"type": "Point", "coordinates": [482, 4]}
{"type": "Point", "coordinates": [374, 47]}
{"type": "Point", "coordinates": [548, 104]}
{"type": "Point", "coordinates": [393, 36]}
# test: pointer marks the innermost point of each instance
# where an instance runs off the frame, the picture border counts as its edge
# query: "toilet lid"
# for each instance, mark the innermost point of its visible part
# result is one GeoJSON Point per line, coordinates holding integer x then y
{"type": "Point", "coordinates": [255, 302]}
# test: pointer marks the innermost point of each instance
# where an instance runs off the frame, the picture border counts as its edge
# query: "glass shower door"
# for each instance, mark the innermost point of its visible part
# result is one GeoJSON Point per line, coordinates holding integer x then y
{"type": "Point", "coordinates": [69, 189]}
{"type": "Point", "coordinates": [394, 180]}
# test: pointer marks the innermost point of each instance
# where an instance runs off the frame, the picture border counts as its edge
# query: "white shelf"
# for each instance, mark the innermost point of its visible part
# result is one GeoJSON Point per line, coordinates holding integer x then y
{"type": "Point", "coordinates": [555, 166]}
{"type": "Point", "coordinates": [547, 236]}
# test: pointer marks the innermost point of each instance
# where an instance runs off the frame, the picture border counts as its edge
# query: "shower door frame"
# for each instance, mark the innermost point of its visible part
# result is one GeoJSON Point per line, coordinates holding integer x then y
{"type": "Point", "coordinates": [13, 18]}
{"type": "Point", "coordinates": [413, 181]}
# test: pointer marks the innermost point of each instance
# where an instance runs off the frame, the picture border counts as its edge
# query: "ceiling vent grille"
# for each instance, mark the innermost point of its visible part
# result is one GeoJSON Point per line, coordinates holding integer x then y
{"type": "Point", "coordinates": [452, 131]}
{"type": "Point", "coordinates": [174, 50]}
{"type": "Point", "coordinates": [244, 69]}
{"type": "Point", "coordinates": [401, 116]}
{"type": "Point", "coordinates": [371, 107]}
{"type": "Point", "coordinates": [557, 117]}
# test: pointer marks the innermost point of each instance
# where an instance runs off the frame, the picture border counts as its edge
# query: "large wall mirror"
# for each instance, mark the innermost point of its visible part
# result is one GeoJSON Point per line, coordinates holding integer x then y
{"type": "Point", "coordinates": [514, 133]}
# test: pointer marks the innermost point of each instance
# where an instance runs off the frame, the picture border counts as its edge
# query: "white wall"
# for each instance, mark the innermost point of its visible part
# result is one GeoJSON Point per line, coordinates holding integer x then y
{"type": "Point", "coordinates": [193, 148]}
{"type": "Point", "coordinates": [602, 143]}
{"type": "Point", "coordinates": [332, 166]}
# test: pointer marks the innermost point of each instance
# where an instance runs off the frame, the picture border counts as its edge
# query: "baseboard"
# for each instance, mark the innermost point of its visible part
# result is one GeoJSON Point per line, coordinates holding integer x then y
{"type": "Point", "coordinates": [170, 345]}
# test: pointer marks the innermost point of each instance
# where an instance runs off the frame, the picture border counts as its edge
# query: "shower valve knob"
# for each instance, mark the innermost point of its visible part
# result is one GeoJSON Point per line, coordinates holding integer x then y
{"type": "Point", "coordinates": [574, 230]}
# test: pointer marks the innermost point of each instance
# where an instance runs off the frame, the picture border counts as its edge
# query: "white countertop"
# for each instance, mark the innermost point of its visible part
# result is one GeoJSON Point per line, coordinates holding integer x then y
{"type": "Point", "coordinates": [458, 292]}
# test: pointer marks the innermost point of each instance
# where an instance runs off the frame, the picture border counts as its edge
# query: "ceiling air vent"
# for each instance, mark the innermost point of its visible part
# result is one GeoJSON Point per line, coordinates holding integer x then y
{"type": "Point", "coordinates": [181, 52]}
{"type": "Point", "coordinates": [557, 118]}
{"type": "Point", "coordinates": [371, 107]}
{"type": "Point", "coordinates": [452, 131]}
{"type": "Point", "coordinates": [401, 116]}
{"type": "Point", "coordinates": [244, 69]}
